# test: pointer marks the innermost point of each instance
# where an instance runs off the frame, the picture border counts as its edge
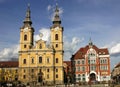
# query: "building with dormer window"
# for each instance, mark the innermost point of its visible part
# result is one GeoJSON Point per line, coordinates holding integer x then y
{"type": "Point", "coordinates": [91, 63]}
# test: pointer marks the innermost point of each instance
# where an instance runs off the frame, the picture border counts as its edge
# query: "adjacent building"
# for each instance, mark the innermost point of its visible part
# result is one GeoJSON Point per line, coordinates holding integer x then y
{"type": "Point", "coordinates": [91, 63]}
{"type": "Point", "coordinates": [115, 74]}
{"type": "Point", "coordinates": [8, 71]}
{"type": "Point", "coordinates": [41, 62]}
{"type": "Point", "coordinates": [67, 72]}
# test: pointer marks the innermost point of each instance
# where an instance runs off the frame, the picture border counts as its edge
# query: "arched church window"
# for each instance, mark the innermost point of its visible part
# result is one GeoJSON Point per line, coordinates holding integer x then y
{"type": "Point", "coordinates": [25, 46]}
{"type": "Point", "coordinates": [32, 60]}
{"type": "Point", "coordinates": [56, 45]}
{"type": "Point", "coordinates": [56, 60]}
{"type": "Point", "coordinates": [48, 61]}
{"type": "Point", "coordinates": [24, 61]}
{"type": "Point", "coordinates": [25, 37]}
{"type": "Point", "coordinates": [40, 46]}
{"type": "Point", "coordinates": [56, 36]}
{"type": "Point", "coordinates": [40, 59]}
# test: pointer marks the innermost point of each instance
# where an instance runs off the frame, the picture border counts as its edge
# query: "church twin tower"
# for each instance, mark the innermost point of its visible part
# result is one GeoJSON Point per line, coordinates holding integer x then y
{"type": "Point", "coordinates": [41, 62]}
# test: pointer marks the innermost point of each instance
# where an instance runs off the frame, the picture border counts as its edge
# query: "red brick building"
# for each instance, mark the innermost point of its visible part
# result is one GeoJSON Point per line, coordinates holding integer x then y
{"type": "Point", "coordinates": [91, 63]}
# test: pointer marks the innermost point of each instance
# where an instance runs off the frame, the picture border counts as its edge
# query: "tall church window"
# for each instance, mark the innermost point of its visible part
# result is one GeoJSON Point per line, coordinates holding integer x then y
{"type": "Point", "coordinates": [56, 70]}
{"type": "Point", "coordinates": [40, 70]}
{"type": "Point", "coordinates": [48, 70]}
{"type": "Point", "coordinates": [48, 61]}
{"type": "Point", "coordinates": [32, 70]}
{"type": "Point", "coordinates": [24, 76]}
{"type": "Point", "coordinates": [24, 61]}
{"type": "Point", "coordinates": [56, 36]}
{"type": "Point", "coordinates": [32, 60]}
{"type": "Point", "coordinates": [25, 46]}
{"type": "Point", "coordinates": [25, 37]}
{"type": "Point", "coordinates": [24, 70]}
{"type": "Point", "coordinates": [56, 46]}
{"type": "Point", "coordinates": [56, 60]}
{"type": "Point", "coordinates": [40, 46]}
{"type": "Point", "coordinates": [40, 59]}
{"type": "Point", "coordinates": [56, 75]}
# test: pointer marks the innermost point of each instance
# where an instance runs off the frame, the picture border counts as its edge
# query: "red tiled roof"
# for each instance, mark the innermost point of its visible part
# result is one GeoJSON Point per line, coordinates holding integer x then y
{"type": "Point", "coordinates": [8, 64]}
{"type": "Point", "coordinates": [104, 51]}
{"type": "Point", "coordinates": [67, 62]}
{"type": "Point", "coordinates": [118, 65]}
{"type": "Point", "coordinates": [80, 54]}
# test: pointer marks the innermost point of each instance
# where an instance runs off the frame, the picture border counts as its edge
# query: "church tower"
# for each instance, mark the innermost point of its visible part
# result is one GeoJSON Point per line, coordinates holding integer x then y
{"type": "Point", "coordinates": [26, 44]}
{"type": "Point", "coordinates": [40, 62]}
{"type": "Point", "coordinates": [26, 32]}
{"type": "Point", "coordinates": [57, 43]}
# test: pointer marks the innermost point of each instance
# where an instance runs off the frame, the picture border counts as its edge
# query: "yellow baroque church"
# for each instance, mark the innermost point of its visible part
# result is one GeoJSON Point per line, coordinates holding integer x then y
{"type": "Point", "coordinates": [40, 62]}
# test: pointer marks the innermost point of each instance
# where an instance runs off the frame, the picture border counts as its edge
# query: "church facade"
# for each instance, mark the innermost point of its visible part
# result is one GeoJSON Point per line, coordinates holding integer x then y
{"type": "Point", "coordinates": [91, 64]}
{"type": "Point", "coordinates": [40, 62]}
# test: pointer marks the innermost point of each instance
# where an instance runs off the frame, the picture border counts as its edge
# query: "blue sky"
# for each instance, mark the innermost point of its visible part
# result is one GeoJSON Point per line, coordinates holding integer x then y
{"type": "Point", "coordinates": [81, 19]}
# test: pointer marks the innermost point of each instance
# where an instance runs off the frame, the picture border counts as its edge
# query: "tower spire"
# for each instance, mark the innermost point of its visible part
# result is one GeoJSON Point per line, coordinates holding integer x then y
{"type": "Point", "coordinates": [27, 21]}
{"type": "Point", "coordinates": [90, 43]}
{"type": "Point", "coordinates": [56, 19]}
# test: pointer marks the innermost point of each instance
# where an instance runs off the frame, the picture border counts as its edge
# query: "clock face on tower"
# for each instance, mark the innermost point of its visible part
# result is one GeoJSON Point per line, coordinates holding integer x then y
{"type": "Point", "coordinates": [26, 29]}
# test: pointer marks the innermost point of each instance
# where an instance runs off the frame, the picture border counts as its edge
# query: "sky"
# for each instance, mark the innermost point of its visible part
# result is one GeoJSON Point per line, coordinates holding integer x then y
{"type": "Point", "coordinates": [81, 19]}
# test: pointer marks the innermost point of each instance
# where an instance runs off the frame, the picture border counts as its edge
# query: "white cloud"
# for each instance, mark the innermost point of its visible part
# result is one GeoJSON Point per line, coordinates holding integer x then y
{"type": "Point", "coordinates": [51, 11]}
{"type": "Point", "coordinates": [12, 52]}
{"type": "Point", "coordinates": [46, 34]}
{"type": "Point", "coordinates": [60, 13]}
{"type": "Point", "coordinates": [70, 47]}
{"type": "Point", "coordinates": [115, 49]}
{"type": "Point", "coordinates": [8, 53]}
{"type": "Point", "coordinates": [49, 7]}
